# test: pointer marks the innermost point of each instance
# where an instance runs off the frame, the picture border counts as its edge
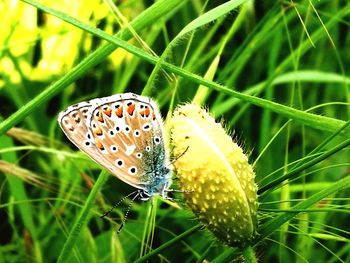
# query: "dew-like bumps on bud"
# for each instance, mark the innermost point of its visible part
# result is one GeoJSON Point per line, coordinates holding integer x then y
{"type": "Point", "coordinates": [215, 176]}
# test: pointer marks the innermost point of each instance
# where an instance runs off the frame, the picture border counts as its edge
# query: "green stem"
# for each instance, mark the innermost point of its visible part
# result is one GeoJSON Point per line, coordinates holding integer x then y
{"type": "Point", "coordinates": [82, 219]}
{"type": "Point", "coordinates": [168, 244]}
{"type": "Point", "coordinates": [273, 224]}
{"type": "Point", "coordinates": [249, 255]}
{"type": "Point", "coordinates": [312, 120]}
{"type": "Point", "coordinates": [270, 186]}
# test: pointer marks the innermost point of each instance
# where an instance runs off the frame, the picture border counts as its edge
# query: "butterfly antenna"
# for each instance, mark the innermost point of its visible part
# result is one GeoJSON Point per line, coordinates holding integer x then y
{"type": "Point", "coordinates": [179, 156]}
{"type": "Point", "coordinates": [128, 210]}
{"type": "Point", "coordinates": [117, 204]}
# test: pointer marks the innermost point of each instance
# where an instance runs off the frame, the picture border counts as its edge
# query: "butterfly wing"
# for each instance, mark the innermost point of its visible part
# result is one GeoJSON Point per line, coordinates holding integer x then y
{"type": "Point", "coordinates": [73, 123]}
{"type": "Point", "coordinates": [127, 130]}
{"type": "Point", "coordinates": [123, 133]}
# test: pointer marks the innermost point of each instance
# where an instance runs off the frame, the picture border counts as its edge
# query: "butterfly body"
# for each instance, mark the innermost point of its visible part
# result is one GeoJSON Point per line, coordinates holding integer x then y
{"type": "Point", "coordinates": [124, 134]}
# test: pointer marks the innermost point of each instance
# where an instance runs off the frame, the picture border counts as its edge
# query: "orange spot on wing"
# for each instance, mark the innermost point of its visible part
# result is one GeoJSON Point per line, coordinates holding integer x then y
{"type": "Point", "coordinates": [98, 131]}
{"type": "Point", "coordinates": [119, 112]}
{"type": "Point", "coordinates": [153, 116]}
{"type": "Point", "coordinates": [100, 146]}
{"type": "Point", "coordinates": [131, 109]}
{"type": "Point", "coordinates": [145, 112]}
{"type": "Point", "coordinates": [108, 112]}
{"type": "Point", "coordinates": [100, 117]}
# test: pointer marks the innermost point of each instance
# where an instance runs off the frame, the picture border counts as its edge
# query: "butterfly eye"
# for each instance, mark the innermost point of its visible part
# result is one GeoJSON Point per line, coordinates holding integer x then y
{"type": "Point", "coordinates": [132, 170]}
{"type": "Point", "coordinates": [119, 162]}
{"type": "Point", "coordinates": [137, 133]}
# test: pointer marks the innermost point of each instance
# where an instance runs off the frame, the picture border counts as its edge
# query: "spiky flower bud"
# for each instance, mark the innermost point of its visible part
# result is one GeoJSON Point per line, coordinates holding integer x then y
{"type": "Point", "coordinates": [215, 175]}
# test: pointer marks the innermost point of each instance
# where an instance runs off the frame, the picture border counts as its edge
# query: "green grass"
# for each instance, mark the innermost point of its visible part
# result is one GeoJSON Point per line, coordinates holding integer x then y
{"type": "Point", "coordinates": [277, 73]}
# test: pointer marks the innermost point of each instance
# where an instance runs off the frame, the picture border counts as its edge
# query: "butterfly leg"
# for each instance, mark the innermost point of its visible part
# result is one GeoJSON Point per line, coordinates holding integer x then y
{"type": "Point", "coordinates": [118, 203]}
{"type": "Point", "coordinates": [178, 191]}
{"type": "Point", "coordinates": [144, 196]}
{"type": "Point", "coordinates": [168, 190]}
{"type": "Point", "coordinates": [139, 193]}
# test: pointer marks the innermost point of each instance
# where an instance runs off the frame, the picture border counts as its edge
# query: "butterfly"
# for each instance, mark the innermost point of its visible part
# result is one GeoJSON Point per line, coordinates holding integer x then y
{"type": "Point", "coordinates": [124, 134]}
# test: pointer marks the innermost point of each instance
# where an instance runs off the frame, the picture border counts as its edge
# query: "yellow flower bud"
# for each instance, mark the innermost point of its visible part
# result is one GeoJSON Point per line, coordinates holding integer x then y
{"type": "Point", "coordinates": [215, 175]}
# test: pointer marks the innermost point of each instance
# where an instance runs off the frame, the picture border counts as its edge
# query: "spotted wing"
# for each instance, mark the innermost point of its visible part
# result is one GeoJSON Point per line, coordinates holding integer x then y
{"type": "Point", "coordinates": [127, 132]}
{"type": "Point", "coordinates": [73, 123]}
